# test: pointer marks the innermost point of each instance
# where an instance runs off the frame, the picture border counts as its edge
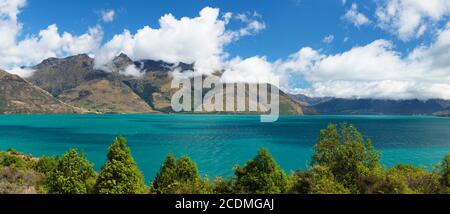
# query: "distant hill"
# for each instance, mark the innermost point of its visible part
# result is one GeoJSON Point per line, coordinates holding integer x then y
{"type": "Point", "coordinates": [74, 83]}
{"type": "Point", "coordinates": [18, 96]}
{"type": "Point", "coordinates": [373, 106]}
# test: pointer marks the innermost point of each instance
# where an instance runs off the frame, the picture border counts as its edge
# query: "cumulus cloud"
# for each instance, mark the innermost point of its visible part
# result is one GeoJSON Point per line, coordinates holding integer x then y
{"type": "Point", "coordinates": [355, 17]}
{"type": "Point", "coordinates": [32, 49]}
{"type": "Point", "coordinates": [376, 70]}
{"type": "Point", "coordinates": [200, 40]}
{"type": "Point", "coordinates": [108, 15]}
{"type": "Point", "coordinates": [250, 70]}
{"type": "Point", "coordinates": [408, 19]}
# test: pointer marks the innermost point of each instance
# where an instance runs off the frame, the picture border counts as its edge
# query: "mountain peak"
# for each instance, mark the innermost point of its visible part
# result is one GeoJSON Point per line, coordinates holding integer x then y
{"type": "Point", "coordinates": [121, 60]}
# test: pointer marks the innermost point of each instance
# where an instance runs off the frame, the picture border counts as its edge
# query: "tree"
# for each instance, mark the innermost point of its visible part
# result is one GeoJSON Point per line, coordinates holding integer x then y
{"type": "Point", "coordinates": [345, 152]}
{"type": "Point", "coordinates": [262, 175]}
{"type": "Point", "coordinates": [45, 165]}
{"type": "Point", "coordinates": [179, 177]}
{"type": "Point", "coordinates": [74, 174]}
{"type": "Point", "coordinates": [120, 174]}
{"type": "Point", "coordinates": [444, 172]}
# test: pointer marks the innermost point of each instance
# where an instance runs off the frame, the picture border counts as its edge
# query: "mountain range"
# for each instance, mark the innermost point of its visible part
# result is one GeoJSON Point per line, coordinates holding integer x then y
{"type": "Point", "coordinates": [340, 106]}
{"type": "Point", "coordinates": [73, 85]}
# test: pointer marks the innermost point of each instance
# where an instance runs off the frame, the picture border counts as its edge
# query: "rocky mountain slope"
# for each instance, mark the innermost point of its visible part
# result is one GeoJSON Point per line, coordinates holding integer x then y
{"type": "Point", "coordinates": [105, 96]}
{"type": "Point", "coordinates": [73, 80]}
{"type": "Point", "coordinates": [18, 96]}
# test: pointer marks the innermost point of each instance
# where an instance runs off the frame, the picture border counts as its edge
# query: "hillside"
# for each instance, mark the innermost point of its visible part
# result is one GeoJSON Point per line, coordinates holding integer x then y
{"type": "Point", "coordinates": [106, 97]}
{"type": "Point", "coordinates": [373, 106]}
{"type": "Point", "coordinates": [75, 81]}
{"type": "Point", "coordinates": [18, 96]}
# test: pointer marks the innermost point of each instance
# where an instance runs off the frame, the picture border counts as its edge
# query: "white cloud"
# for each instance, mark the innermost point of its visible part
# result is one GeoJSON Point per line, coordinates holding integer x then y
{"type": "Point", "coordinates": [108, 15]}
{"type": "Point", "coordinates": [251, 70]}
{"type": "Point", "coordinates": [35, 48]}
{"type": "Point", "coordinates": [328, 39]}
{"type": "Point", "coordinates": [132, 70]}
{"type": "Point", "coordinates": [355, 17]}
{"type": "Point", "coordinates": [376, 70]}
{"type": "Point", "coordinates": [408, 19]}
{"type": "Point", "coordinates": [200, 40]}
{"type": "Point", "coordinates": [22, 71]}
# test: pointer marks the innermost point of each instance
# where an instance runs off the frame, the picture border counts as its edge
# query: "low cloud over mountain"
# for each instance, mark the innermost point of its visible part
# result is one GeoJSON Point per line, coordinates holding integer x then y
{"type": "Point", "coordinates": [369, 69]}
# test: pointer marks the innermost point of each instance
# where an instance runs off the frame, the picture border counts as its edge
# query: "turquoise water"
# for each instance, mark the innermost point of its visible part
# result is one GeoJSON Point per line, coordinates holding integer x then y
{"type": "Point", "coordinates": [218, 142]}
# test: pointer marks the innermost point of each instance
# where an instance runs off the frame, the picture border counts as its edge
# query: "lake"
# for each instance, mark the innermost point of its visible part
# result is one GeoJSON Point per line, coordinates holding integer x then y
{"type": "Point", "coordinates": [218, 142]}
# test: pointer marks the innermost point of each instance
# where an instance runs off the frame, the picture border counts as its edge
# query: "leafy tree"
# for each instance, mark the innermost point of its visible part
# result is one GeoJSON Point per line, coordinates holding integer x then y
{"type": "Point", "coordinates": [444, 172]}
{"type": "Point", "coordinates": [45, 165]}
{"type": "Point", "coordinates": [74, 174]}
{"type": "Point", "coordinates": [179, 177]}
{"type": "Point", "coordinates": [262, 175]}
{"type": "Point", "coordinates": [120, 174]}
{"type": "Point", "coordinates": [345, 152]}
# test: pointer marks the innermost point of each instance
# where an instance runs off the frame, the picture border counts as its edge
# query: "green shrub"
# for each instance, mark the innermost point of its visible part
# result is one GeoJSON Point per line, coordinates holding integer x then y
{"type": "Point", "coordinates": [317, 180]}
{"type": "Point", "coordinates": [8, 159]}
{"type": "Point", "coordinates": [45, 165]}
{"type": "Point", "coordinates": [74, 174]}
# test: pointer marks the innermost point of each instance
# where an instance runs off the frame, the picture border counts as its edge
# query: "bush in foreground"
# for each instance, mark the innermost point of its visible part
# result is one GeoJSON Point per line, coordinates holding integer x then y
{"type": "Point", "coordinates": [179, 177]}
{"type": "Point", "coordinates": [120, 174]}
{"type": "Point", "coordinates": [73, 174]}
{"type": "Point", "coordinates": [262, 175]}
{"type": "Point", "coordinates": [343, 162]}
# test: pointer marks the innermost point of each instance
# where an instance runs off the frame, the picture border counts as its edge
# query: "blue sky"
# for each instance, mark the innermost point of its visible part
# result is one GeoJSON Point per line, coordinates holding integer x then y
{"type": "Point", "coordinates": [291, 24]}
{"type": "Point", "coordinates": [396, 49]}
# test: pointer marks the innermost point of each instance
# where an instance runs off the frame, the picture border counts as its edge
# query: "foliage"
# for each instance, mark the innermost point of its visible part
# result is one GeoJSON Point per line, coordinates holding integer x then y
{"type": "Point", "coordinates": [73, 174]}
{"type": "Point", "coordinates": [223, 186]}
{"type": "Point", "coordinates": [343, 162]}
{"type": "Point", "coordinates": [120, 174]}
{"type": "Point", "coordinates": [417, 179]}
{"type": "Point", "coordinates": [17, 175]}
{"type": "Point", "coordinates": [9, 159]}
{"type": "Point", "coordinates": [378, 181]}
{"type": "Point", "coordinates": [46, 165]}
{"type": "Point", "coordinates": [262, 175]}
{"type": "Point", "coordinates": [346, 153]}
{"type": "Point", "coordinates": [443, 170]}
{"type": "Point", "coordinates": [317, 180]}
{"type": "Point", "coordinates": [179, 177]}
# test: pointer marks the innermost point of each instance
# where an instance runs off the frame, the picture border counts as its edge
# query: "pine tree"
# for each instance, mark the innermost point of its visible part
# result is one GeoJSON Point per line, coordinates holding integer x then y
{"type": "Point", "coordinates": [179, 177]}
{"type": "Point", "coordinates": [262, 175]}
{"type": "Point", "coordinates": [120, 174]}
